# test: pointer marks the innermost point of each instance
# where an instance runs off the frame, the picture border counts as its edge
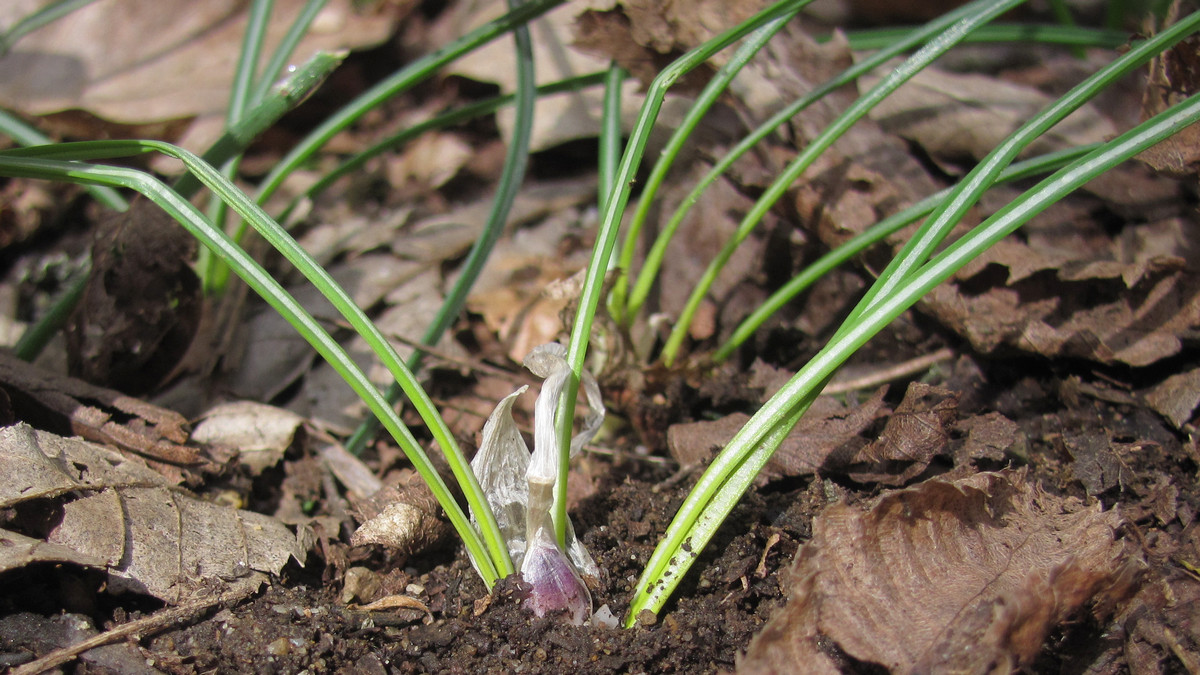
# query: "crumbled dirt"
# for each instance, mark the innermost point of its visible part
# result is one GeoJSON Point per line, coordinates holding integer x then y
{"type": "Point", "coordinates": [732, 591]}
{"type": "Point", "coordinates": [1038, 374]}
{"type": "Point", "coordinates": [301, 625]}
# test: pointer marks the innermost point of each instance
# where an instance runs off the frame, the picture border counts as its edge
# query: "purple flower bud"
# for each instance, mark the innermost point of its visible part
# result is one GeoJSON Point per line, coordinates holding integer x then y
{"type": "Point", "coordinates": [555, 586]}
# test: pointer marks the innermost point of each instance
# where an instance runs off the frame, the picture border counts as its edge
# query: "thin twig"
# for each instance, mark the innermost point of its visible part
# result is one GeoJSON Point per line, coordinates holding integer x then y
{"type": "Point", "coordinates": [144, 627]}
{"type": "Point", "coordinates": [896, 372]}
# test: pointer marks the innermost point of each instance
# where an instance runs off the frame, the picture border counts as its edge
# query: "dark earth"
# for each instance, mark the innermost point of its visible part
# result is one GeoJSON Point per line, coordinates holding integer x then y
{"type": "Point", "coordinates": [1082, 429]}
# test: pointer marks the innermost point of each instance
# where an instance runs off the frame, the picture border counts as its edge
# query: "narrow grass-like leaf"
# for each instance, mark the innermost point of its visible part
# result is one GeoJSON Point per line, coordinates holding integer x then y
{"type": "Point", "coordinates": [283, 51]}
{"type": "Point", "coordinates": [516, 160]}
{"type": "Point", "coordinates": [982, 11]}
{"type": "Point", "coordinates": [400, 81]}
{"type": "Point", "coordinates": [614, 206]}
{"type": "Point", "coordinates": [448, 118]}
{"type": "Point", "coordinates": [258, 16]}
{"type": "Point", "coordinates": [281, 97]}
{"type": "Point", "coordinates": [725, 480]}
{"type": "Point", "coordinates": [46, 15]}
{"type": "Point", "coordinates": [498, 559]}
{"type": "Point", "coordinates": [1007, 33]}
{"type": "Point", "coordinates": [656, 254]}
{"type": "Point", "coordinates": [894, 223]}
{"type": "Point", "coordinates": [26, 135]}
{"type": "Point", "coordinates": [666, 158]}
{"type": "Point", "coordinates": [242, 87]}
{"type": "Point", "coordinates": [968, 191]}
{"type": "Point", "coordinates": [610, 131]}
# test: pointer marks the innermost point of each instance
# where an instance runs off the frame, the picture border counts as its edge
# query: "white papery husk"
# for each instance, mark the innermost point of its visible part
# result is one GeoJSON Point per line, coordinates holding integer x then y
{"type": "Point", "coordinates": [505, 469]}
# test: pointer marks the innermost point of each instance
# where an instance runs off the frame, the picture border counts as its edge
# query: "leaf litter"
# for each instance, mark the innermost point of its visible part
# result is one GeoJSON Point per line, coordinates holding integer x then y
{"type": "Point", "coordinates": [1104, 498]}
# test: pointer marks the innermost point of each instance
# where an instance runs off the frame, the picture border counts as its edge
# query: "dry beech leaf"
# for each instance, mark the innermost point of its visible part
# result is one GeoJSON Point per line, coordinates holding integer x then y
{"type": "Point", "coordinates": [17, 550]}
{"type": "Point", "coordinates": [513, 291]}
{"type": "Point", "coordinates": [1176, 397]}
{"type": "Point", "coordinates": [68, 405]}
{"type": "Point", "coordinates": [405, 518]}
{"type": "Point", "coordinates": [917, 431]}
{"type": "Point", "coordinates": [150, 537]}
{"type": "Point", "coordinates": [1102, 318]}
{"type": "Point", "coordinates": [990, 436]}
{"type": "Point", "coordinates": [557, 118]}
{"type": "Point", "coordinates": [259, 433]}
{"type": "Point", "coordinates": [947, 576]}
{"type": "Point", "coordinates": [957, 115]}
{"type": "Point", "coordinates": [826, 437]}
{"type": "Point", "coordinates": [142, 61]}
{"type": "Point", "coordinates": [1174, 75]}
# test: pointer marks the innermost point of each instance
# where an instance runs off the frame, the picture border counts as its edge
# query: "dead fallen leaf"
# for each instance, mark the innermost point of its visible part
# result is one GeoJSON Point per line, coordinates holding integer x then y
{"type": "Point", "coordinates": [917, 431]}
{"type": "Point", "coordinates": [1174, 75]}
{"type": "Point", "coordinates": [143, 61]}
{"type": "Point", "coordinates": [17, 551]}
{"type": "Point", "coordinates": [67, 405]}
{"type": "Point", "coordinates": [1176, 397]}
{"type": "Point", "coordinates": [1102, 318]}
{"type": "Point", "coordinates": [947, 576]}
{"type": "Point", "coordinates": [990, 436]}
{"type": "Point", "coordinates": [1096, 463]}
{"type": "Point", "coordinates": [405, 518]}
{"type": "Point", "coordinates": [150, 537]}
{"type": "Point", "coordinates": [512, 292]}
{"type": "Point", "coordinates": [428, 162]}
{"type": "Point", "coordinates": [558, 118]}
{"type": "Point", "coordinates": [963, 116]}
{"type": "Point", "coordinates": [257, 432]}
{"type": "Point", "coordinates": [826, 438]}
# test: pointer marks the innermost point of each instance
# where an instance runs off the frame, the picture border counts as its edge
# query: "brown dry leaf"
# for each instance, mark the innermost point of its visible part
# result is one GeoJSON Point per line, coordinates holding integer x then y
{"type": "Point", "coordinates": [1160, 627]}
{"type": "Point", "coordinates": [257, 432]}
{"type": "Point", "coordinates": [957, 116]}
{"type": "Point", "coordinates": [428, 162]}
{"type": "Point", "coordinates": [703, 233]}
{"type": "Point", "coordinates": [1103, 318]}
{"type": "Point", "coordinates": [68, 405]}
{"type": "Point", "coordinates": [17, 551]}
{"type": "Point", "coordinates": [1174, 76]}
{"type": "Point", "coordinates": [644, 37]}
{"type": "Point", "coordinates": [1176, 397]}
{"type": "Point", "coordinates": [947, 576]}
{"type": "Point", "coordinates": [991, 436]}
{"type": "Point", "coordinates": [141, 61]}
{"type": "Point", "coordinates": [150, 537]}
{"type": "Point", "coordinates": [1096, 463]}
{"type": "Point", "coordinates": [825, 439]}
{"type": "Point", "coordinates": [514, 291]}
{"type": "Point", "coordinates": [558, 118]}
{"type": "Point", "coordinates": [404, 517]}
{"type": "Point", "coordinates": [917, 431]}
{"type": "Point", "coordinates": [666, 27]}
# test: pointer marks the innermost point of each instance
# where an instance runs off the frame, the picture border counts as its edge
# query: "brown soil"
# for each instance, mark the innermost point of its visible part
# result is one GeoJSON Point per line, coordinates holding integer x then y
{"type": "Point", "coordinates": [300, 622]}
{"type": "Point", "coordinates": [734, 587]}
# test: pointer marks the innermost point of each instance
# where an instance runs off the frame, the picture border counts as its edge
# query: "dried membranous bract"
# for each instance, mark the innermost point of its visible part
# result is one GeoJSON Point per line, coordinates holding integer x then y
{"type": "Point", "coordinates": [520, 490]}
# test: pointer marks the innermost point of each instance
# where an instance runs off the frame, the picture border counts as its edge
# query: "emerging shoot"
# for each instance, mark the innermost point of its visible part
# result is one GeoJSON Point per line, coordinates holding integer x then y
{"type": "Point", "coordinates": [520, 490]}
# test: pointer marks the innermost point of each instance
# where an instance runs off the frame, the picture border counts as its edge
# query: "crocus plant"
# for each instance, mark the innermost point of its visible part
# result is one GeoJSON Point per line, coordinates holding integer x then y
{"type": "Point", "coordinates": [518, 520]}
{"type": "Point", "coordinates": [520, 490]}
